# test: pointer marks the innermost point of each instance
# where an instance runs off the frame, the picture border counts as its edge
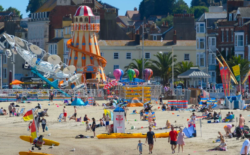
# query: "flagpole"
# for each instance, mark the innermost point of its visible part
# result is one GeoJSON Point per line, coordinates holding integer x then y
{"type": "Point", "coordinates": [33, 113]}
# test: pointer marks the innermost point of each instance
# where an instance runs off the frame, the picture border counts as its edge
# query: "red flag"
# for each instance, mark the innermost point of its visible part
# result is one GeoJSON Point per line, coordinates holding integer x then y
{"type": "Point", "coordinates": [33, 130]}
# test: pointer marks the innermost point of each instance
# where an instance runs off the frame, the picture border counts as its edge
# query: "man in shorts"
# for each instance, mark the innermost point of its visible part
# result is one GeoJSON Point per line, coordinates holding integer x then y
{"type": "Point", "coordinates": [173, 138]}
{"type": "Point", "coordinates": [150, 139]}
{"type": "Point", "coordinates": [75, 114]}
{"type": "Point", "coordinates": [10, 109]}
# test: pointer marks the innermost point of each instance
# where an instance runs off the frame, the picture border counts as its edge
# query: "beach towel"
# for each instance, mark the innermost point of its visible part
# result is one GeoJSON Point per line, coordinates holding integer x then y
{"type": "Point", "coordinates": [153, 115]}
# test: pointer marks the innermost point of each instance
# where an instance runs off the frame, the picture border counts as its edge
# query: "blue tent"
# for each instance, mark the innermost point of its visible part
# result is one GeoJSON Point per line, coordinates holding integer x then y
{"type": "Point", "coordinates": [78, 102]}
{"type": "Point", "coordinates": [118, 109]}
{"type": "Point", "coordinates": [134, 80]}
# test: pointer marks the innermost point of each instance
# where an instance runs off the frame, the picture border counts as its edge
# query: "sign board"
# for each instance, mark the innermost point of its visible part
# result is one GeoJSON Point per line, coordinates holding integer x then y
{"type": "Point", "coordinates": [119, 122]}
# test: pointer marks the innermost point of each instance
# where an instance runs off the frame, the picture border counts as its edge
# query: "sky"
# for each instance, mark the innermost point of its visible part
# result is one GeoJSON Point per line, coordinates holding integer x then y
{"type": "Point", "coordinates": [122, 5]}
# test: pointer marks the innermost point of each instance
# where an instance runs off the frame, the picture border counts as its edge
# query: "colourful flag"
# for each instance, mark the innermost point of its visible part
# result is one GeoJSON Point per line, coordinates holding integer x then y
{"type": "Point", "coordinates": [236, 70]}
{"type": "Point", "coordinates": [222, 78]}
{"type": "Point", "coordinates": [33, 130]}
{"type": "Point", "coordinates": [28, 116]}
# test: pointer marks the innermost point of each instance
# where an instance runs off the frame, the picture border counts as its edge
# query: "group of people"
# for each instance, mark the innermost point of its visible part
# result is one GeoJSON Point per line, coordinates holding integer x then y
{"type": "Point", "coordinates": [3, 111]}
{"type": "Point", "coordinates": [174, 139]}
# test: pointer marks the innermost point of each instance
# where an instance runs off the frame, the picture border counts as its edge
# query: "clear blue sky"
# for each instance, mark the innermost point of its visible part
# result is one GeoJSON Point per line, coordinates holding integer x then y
{"type": "Point", "coordinates": [123, 5]}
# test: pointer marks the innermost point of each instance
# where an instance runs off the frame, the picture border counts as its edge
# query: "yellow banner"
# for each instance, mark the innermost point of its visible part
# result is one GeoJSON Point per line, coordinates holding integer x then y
{"type": "Point", "coordinates": [236, 70]}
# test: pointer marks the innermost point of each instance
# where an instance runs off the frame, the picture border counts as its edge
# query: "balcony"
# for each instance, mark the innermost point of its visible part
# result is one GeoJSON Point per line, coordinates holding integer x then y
{"type": "Point", "coordinates": [239, 48]}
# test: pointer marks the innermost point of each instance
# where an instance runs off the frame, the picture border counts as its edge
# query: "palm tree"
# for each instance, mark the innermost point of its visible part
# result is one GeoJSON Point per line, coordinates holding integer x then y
{"type": "Point", "coordinates": [244, 64]}
{"type": "Point", "coordinates": [137, 64]}
{"type": "Point", "coordinates": [182, 67]}
{"type": "Point", "coordinates": [163, 66]}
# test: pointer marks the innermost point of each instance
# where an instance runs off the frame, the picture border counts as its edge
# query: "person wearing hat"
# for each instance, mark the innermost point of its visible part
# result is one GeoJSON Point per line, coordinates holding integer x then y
{"type": "Point", "coordinates": [38, 142]}
{"type": "Point", "coordinates": [43, 121]}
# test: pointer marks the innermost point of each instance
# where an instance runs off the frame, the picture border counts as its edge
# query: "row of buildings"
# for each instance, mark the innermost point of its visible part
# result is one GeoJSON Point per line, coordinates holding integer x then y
{"type": "Point", "coordinates": [224, 28]}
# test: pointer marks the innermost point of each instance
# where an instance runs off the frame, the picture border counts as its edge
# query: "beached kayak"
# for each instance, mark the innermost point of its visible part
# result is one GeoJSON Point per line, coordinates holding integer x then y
{"type": "Point", "coordinates": [32, 153]}
{"type": "Point", "coordinates": [130, 135]}
{"type": "Point", "coordinates": [47, 141]}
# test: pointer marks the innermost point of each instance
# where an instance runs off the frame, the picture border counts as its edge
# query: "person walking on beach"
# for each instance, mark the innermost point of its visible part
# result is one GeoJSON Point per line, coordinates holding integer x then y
{"type": "Point", "coordinates": [140, 146]}
{"type": "Point", "coordinates": [75, 114]}
{"type": "Point", "coordinates": [51, 96]}
{"type": "Point", "coordinates": [64, 113]}
{"type": "Point", "coordinates": [180, 140]}
{"type": "Point", "coordinates": [245, 147]}
{"type": "Point", "coordinates": [241, 121]}
{"type": "Point", "coordinates": [43, 123]}
{"type": "Point", "coordinates": [10, 109]}
{"type": "Point", "coordinates": [107, 122]}
{"type": "Point", "coordinates": [173, 138]}
{"type": "Point", "coordinates": [150, 139]}
{"type": "Point", "coordinates": [93, 126]}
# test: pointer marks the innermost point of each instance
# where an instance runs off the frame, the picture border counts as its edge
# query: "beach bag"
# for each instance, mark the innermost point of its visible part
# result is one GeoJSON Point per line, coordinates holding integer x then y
{"type": "Point", "coordinates": [46, 128]}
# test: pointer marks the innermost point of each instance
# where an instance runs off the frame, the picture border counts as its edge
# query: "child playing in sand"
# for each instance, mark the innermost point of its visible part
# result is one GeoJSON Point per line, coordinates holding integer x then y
{"type": "Point", "coordinates": [140, 146]}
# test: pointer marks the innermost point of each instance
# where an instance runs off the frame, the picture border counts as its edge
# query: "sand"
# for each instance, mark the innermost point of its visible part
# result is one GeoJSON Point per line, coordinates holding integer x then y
{"type": "Point", "coordinates": [64, 132]}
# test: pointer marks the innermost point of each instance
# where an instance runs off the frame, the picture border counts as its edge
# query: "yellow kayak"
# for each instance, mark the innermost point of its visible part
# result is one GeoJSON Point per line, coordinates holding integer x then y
{"type": "Point", "coordinates": [130, 135]}
{"type": "Point", "coordinates": [107, 136]}
{"type": "Point", "coordinates": [32, 153]}
{"type": "Point", "coordinates": [47, 141]}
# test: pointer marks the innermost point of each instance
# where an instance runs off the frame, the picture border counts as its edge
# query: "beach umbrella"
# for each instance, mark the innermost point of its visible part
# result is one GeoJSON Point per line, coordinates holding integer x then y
{"type": "Point", "coordinates": [131, 74]}
{"type": "Point", "coordinates": [136, 73]}
{"type": "Point", "coordinates": [147, 74]}
{"type": "Point", "coordinates": [16, 82]}
{"type": "Point", "coordinates": [117, 74]}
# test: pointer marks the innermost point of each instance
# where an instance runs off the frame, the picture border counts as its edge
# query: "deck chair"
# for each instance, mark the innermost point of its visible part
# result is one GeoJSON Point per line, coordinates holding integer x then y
{"type": "Point", "coordinates": [60, 117]}
{"type": "Point", "coordinates": [21, 112]}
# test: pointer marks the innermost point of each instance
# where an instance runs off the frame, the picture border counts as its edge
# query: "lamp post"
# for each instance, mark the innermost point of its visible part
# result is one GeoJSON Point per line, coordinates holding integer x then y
{"type": "Point", "coordinates": [143, 45]}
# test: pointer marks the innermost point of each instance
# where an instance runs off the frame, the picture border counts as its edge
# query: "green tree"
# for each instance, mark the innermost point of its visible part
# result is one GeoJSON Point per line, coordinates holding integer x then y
{"type": "Point", "coordinates": [182, 67]}
{"type": "Point", "coordinates": [198, 10]}
{"type": "Point", "coordinates": [179, 7]}
{"type": "Point", "coordinates": [244, 64]}
{"type": "Point", "coordinates": [162, 67]}
{"type": "Point", "coordinates": [34, 5]}
{"type": "Point", "coordinates": [1, 8]}
{"type": "Point", "coordinates": [10, 9]}
{"type": "Point", "coordinates": [168, 19]}
{"type": "Point", "coordinates": [146, 8]}
{"type": "Point", "coordinates": [200, 3]}
{"type": "Point", "coordinates": [137, 64]}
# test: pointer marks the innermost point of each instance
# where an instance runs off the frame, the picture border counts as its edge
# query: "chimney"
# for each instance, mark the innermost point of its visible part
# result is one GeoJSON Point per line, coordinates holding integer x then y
{"type": "Point", "coordinates": [174, 37]}
{"type": "Point", "coordinates": [135, 9]}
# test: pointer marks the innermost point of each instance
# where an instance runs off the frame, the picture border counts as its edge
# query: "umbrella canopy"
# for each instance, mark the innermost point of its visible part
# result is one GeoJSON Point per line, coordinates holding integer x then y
{"type": "Point", "coordinates": [16, 82]}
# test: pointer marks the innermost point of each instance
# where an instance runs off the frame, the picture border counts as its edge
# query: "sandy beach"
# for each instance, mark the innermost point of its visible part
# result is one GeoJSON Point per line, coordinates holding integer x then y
{"type": "Point", "coordinates": [64, 132]}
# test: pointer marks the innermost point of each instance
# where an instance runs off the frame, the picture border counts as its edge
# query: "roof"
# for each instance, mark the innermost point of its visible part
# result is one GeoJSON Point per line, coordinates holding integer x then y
{"type": "Point", "coordinates": [146, 43]}
{"type": "Point", "coordinates": [234, 11]}
{"type": "Point", "coordinates": [109, 6]}
{"type": "Point", "coordinates": [244, 12]}
{"type": "Point", "coordinates": [84, 11]}
{"type": "Point", "coordinates": [5, 13]}
{"type": "Point", "coordinates": [48, 6]}
{"type": "Point", "coordinates": [215, 15]}
{"type": "Point", "coordinates": [55, 40]}
{"type": "Point", "coordinates": [202, 18]}
{"type": "Point", "coordinates": [194, 72]}
{"type": "Point", "coordinates": [216, 9]}
{"type": "Point", "coordinates": [138, 24]}
{"type": "Point", "coordinates": [134, 15]}
{"type": "Point", "coordinates": [126, 21]}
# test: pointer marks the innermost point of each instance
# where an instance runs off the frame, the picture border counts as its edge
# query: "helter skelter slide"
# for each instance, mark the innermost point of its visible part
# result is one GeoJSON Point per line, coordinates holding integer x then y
{"type": "Point", "coordinates": [84, 49]}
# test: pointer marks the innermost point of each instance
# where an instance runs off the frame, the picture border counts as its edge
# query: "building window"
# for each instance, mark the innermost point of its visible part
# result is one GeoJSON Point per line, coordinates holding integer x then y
{"type": "Point", "coordinates": [147, 55]}
{"type": "Point", "coordinates": [4, 59]}
{"type": "Point", "coordinates": [200, 59]}
{"type": "Point", "coordinates": [212, 60]}
{"type": "Point", "coordinates": [56, 33]}
{"type": "Point", "coordinates": [239, 40]}
{"type": "Point", "coordinates": [213, 76]}
{"type": "Point", "coordinates": [222, 36]}
{"type": "Point", "coordinates": [55, 50]}
{"type": "Point", "coordinates": [201, 43]}
{"type": "Point", "coordinates": [116, 55]}
{"type": "Point", "coordinates": [154, 37]}
{"type": "Point", "coordinates": [5, 73]}
{"type": "Point", "coordinates": [116, 67]}
{"type": "Point", "coordinates": [212, 41]}
{"type": "Point", "coordinates": [51, 49]}
{"type": "Point", "coordinates": [128, 55]}
{"type": "Point", "coordinates": [227, 36]}
{"type": "Point", "coordinates": [232, 35]}
{"type": "Point", "coordinates": [102, 54]}
{"type": "Point", "coordinates": [69, 30]}
{"type": "Point", "coordinates": [186, 56]}
{"type": "Point", "coordinates": [230, 17]}
{"type": "Point", "coordinates": [200, 28]}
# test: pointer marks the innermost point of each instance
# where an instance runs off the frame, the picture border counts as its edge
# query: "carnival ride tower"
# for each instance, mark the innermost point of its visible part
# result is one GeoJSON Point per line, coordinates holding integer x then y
{"type": "Point", "coordinates": [84, 49]}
